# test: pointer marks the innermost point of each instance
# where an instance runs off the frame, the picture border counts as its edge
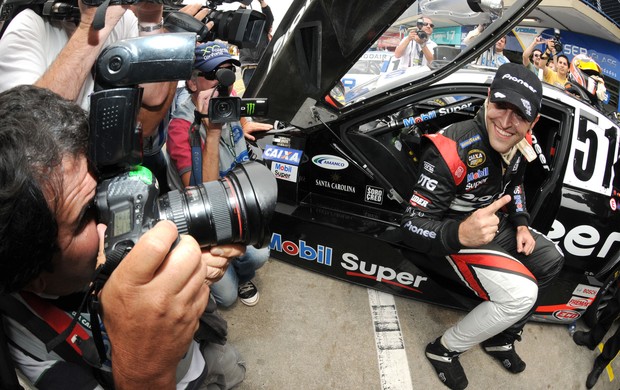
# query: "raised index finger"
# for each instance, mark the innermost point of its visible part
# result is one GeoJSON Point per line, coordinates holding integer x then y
{"type": "Point", "coordinates": [498, 204]}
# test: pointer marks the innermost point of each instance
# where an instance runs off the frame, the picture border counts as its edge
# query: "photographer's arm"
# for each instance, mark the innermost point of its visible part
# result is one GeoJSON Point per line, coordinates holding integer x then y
{"type": "Point", "coordinates": [211, 151]}
{"type": "Point", "coordinates": [527, 53]}
{"type": "Point", "coordinates": [67, 74]}
{"type": "Point", "coordinates": [401, 49]}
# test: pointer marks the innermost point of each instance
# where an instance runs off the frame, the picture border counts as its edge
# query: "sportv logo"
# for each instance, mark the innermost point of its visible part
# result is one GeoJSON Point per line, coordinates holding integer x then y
{"type": "Point", "coordinates": [362, 269]}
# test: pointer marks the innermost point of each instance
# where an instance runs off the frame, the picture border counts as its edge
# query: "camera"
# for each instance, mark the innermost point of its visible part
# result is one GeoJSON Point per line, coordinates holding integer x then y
{"type": "Point", "coordinates": [225, 108]}
{"type": "Point", "coordinates": [234, 209]}
{"type": "Point", "coordinates": [557, 43]}
{"type": "Point", "coordinates": [419, 25]}
{"type": "Point", "coordinates": [241, 27]}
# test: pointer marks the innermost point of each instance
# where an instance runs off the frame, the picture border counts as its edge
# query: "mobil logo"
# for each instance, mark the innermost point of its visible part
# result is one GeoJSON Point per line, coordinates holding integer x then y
{"type": "Point", "coordinates": [321, 254]}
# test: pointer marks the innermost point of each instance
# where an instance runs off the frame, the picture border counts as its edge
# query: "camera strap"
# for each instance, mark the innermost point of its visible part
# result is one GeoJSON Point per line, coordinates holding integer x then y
{"type": "Point", "coordinates": [195, 143]}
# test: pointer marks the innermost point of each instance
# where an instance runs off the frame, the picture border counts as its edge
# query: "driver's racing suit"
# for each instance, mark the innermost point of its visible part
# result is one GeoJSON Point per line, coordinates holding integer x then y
{"type": "Point", "coordinates": [460, 172]}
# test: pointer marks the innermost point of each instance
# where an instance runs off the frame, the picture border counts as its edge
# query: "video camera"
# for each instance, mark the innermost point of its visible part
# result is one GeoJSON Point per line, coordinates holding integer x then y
{"type": "Point", "coordinates": [234, 209]}
{"type": "Point", "coordinates": [241, 27]}
{"type": "Point", "coordinates": [226, 108]}
{"type": "Point", "coordinates": [53, 9]}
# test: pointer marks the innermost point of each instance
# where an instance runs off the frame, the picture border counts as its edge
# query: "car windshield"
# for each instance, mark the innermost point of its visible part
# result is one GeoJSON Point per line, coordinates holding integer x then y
{"type": "Point", "coordinates": [433, 34]}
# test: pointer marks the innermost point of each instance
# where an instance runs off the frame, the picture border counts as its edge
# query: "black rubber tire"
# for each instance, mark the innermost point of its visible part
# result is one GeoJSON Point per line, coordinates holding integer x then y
{"type": "Point", "coordinates": [606, 292]}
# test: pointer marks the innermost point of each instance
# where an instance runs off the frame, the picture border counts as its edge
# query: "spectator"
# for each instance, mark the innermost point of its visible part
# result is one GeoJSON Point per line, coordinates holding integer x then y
{"type": "Point", "coordinates": [558, 76]}
{"type": "Point", "coordinates": [223, 147]}
{"type": "Point", "coordinates": [532, 56]}
{"type": "Point", "coordinates": [251, 57]}
{"type": "Point", "coordinates": [592, 338]}
{"type": "Point", "coordinates": [494, 57]}
{"type": "Point", "coordinates": [416, 51]}
{"type": "Point", "coordinates": [59, 55]}
{"type": "Point", "coordinates": [494, 254]}
{"type": "Point", "coordinates": [50, 242]}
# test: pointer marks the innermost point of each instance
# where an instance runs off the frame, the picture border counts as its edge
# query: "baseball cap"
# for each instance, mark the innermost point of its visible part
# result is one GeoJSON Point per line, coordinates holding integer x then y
{"type": "Point", "coordinates": [210, 55]}
{"type": "Point", "coordinates": [519, 86]}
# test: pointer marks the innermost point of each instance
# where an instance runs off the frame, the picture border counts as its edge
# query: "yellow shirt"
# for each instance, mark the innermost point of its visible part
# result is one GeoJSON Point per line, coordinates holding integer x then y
{"type": "Point", "coordinates": [552, 77]}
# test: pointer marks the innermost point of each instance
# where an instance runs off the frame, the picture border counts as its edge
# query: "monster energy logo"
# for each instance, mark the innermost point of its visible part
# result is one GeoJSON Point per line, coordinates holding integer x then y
{"type": "Point", "coordinates": [249, 108]}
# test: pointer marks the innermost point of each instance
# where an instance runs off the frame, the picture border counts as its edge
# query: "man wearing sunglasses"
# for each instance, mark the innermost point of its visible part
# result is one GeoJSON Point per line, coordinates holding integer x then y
{"type": "Point", "coordinates": [532, 57]}
{"type": "Point", "coordinates": [416, 49]}
{"type": "Point", "coordinates": [223, 147]}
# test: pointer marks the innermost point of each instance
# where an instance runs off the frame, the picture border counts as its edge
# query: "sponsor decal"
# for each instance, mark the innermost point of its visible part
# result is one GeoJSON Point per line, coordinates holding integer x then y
{"type": "Point", "coordinates": [515, 167]}
{"type": "Point", "coordinates": [411, 121]}
{"type": "Point", "coordinates": [476, 184]}
{"type": "Point", "coordinates": [283, 155]}
{"type": "Point", "coordinates": [460, 171]}
{"type": "Point", "coordinates": [359, 268]}
{"type": "Point", "coordinates": [327, 161]}
{"type": "Point", "coordinates": [427, 182]}
{"type": "Point", "coordinates": [284, 171]}
{"type": "Point", "coordinates": [479, 174]}
{"type": "Point", "coordinates": [475, 158]}
{"type": "Point", "coordinates": [528, 107]}
{"type": "Point", "coordinates": [321, 254]}
{"type": "Point", "coordinates": [374, 194]}
{"type": "Point", "coordinates": [419, 231]}
{"type": "Point", "coordinates": [612, 204]}
{"type": "Point", "coordinates": [583, 240]}
{"type": "Point", "coordinates": [418, 200]}
{"type": "Point", "coordinates": [518, 202]}
{"type": "Point", "coordinates": [429, 167]}
{"type": "Point", "coordinates": [335, 186]}
{"type": "Point", "coordinates": [586, 291]}
{"type": "Point", "coordinates": [517, 190]}
{"type": "Point", "coordinates": [566, 315]}
{"type": "Point", "coordinates": [579, 302]}
{"type": "Point", "coordinates": [470, 141]}
{"type": "Point", "coordinates": [517, 80]}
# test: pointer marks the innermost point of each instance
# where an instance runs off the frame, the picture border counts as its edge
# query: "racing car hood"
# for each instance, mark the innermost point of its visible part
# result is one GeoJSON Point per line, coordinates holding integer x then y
{"type": "Point", "coordinates": [317, 41]}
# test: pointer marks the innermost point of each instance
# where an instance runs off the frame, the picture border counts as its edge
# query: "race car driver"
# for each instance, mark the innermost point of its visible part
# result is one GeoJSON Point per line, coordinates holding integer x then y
{"type": "Point", "coordinates": [468, 209]}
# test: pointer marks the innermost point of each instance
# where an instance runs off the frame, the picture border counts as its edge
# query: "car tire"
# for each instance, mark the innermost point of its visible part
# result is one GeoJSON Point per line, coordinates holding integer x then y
{"type": "Point", "coordinates": [607, 291]}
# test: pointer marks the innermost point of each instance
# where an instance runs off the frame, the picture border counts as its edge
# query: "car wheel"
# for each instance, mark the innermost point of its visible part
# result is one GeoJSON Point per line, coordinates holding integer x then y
{"type": "Point", "coordinates": [603, 296]}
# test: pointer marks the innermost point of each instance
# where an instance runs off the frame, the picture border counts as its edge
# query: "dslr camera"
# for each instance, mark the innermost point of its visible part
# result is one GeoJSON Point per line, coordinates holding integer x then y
{"type": "Point", "coordinates": [234, 209]}
{"type": "Point", "coordinates": [557, 43]}
{"type": "Point", "coordinates": [419, 25]}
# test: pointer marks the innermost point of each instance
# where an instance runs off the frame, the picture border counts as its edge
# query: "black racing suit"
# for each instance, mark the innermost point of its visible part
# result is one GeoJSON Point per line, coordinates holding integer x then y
{"type": "Point", "coordinates": [459, 173]}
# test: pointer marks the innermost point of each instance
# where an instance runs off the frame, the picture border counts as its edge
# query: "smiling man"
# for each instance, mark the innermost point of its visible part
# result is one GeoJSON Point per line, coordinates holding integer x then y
{"type": "Point", "coordinates": [471, 170]}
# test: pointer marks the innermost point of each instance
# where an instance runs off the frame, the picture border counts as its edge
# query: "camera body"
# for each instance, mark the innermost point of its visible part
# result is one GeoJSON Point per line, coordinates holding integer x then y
{"type": "Point", "coordinates": [557, 43]}
{"type": "Point", "coordinates": [241, 27]}
{"type": "Point", "coordinates": [234, 209]}
{"type": "Point", "coordinates": [226, 108]}
{"type": "Point", "coordinates": [421, 34]}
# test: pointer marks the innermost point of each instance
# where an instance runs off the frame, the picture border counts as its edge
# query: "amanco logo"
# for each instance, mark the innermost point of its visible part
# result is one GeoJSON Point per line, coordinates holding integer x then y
{"type": "Point", "coordinates": [363, 269]}
{"type": "Point", "coordinates": [321, 254]}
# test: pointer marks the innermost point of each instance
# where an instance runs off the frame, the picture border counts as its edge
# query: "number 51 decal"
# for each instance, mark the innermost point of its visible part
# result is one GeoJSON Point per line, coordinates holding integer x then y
{"type": "Point", "coordinates": [594, 149]}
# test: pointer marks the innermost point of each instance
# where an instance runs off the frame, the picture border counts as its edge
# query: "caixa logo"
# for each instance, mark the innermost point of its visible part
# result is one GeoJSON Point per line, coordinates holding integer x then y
{"type": "Point", "coordinates": [327, 161]}
{"type": "Point", "coordinates": [566, 315]}
{"type": "Point", "coordinates": [321, 254]}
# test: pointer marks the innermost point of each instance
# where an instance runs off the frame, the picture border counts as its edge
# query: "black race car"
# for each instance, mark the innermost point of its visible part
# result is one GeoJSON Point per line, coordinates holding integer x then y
{"type": "Point", "coordinates": [346, 163]}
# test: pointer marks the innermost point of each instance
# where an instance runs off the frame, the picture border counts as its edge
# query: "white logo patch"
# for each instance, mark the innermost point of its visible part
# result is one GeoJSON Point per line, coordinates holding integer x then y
{"type": "Point", "coordinates": [527, 106]}
{"type": "Point", "coordinates": [499, 95]}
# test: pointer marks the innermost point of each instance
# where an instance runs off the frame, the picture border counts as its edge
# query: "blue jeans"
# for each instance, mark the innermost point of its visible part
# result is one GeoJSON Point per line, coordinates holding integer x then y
{"type": "Point", "coordinates": [241, 270]}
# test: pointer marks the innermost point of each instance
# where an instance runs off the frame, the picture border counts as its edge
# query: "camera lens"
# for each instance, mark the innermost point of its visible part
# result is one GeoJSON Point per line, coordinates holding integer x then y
{"type": "Point", "coordinates": [234, 209]}
{"type": "Point", "coordinates": [223, 108]}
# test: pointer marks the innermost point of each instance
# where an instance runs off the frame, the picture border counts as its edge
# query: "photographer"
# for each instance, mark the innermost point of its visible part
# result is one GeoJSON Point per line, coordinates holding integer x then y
{"type": "Point", "coordinates": [151, 303]}
{"type": "Point", "coordinates": [59, 55]}
{"type": "Point", "coordinates": [222, 148]}
{"type": "Point", "coordinates": [416, 48]}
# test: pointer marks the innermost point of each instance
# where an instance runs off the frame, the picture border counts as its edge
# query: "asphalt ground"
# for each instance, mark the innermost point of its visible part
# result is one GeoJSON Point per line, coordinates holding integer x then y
{"type": "Point", "coordinates": [313, 332]}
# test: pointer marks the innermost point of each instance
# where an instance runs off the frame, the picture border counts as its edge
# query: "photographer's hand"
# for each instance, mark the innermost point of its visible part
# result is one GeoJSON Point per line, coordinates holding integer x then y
{"type": "Point", "coordinates": [151, 306]}
{"type": "Point", "coordinates": [218, 258]}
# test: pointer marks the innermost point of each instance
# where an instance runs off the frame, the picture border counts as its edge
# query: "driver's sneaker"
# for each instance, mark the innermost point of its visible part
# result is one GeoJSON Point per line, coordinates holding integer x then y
{"type": "Point", "coordinates": [446, 364]}
{"type": "Point", "coordinates": [506, 355]}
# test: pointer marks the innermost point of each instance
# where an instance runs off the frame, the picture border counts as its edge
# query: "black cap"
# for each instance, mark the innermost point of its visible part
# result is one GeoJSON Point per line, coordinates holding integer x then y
{"type": "Point", "coordinates": [519, 86]}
